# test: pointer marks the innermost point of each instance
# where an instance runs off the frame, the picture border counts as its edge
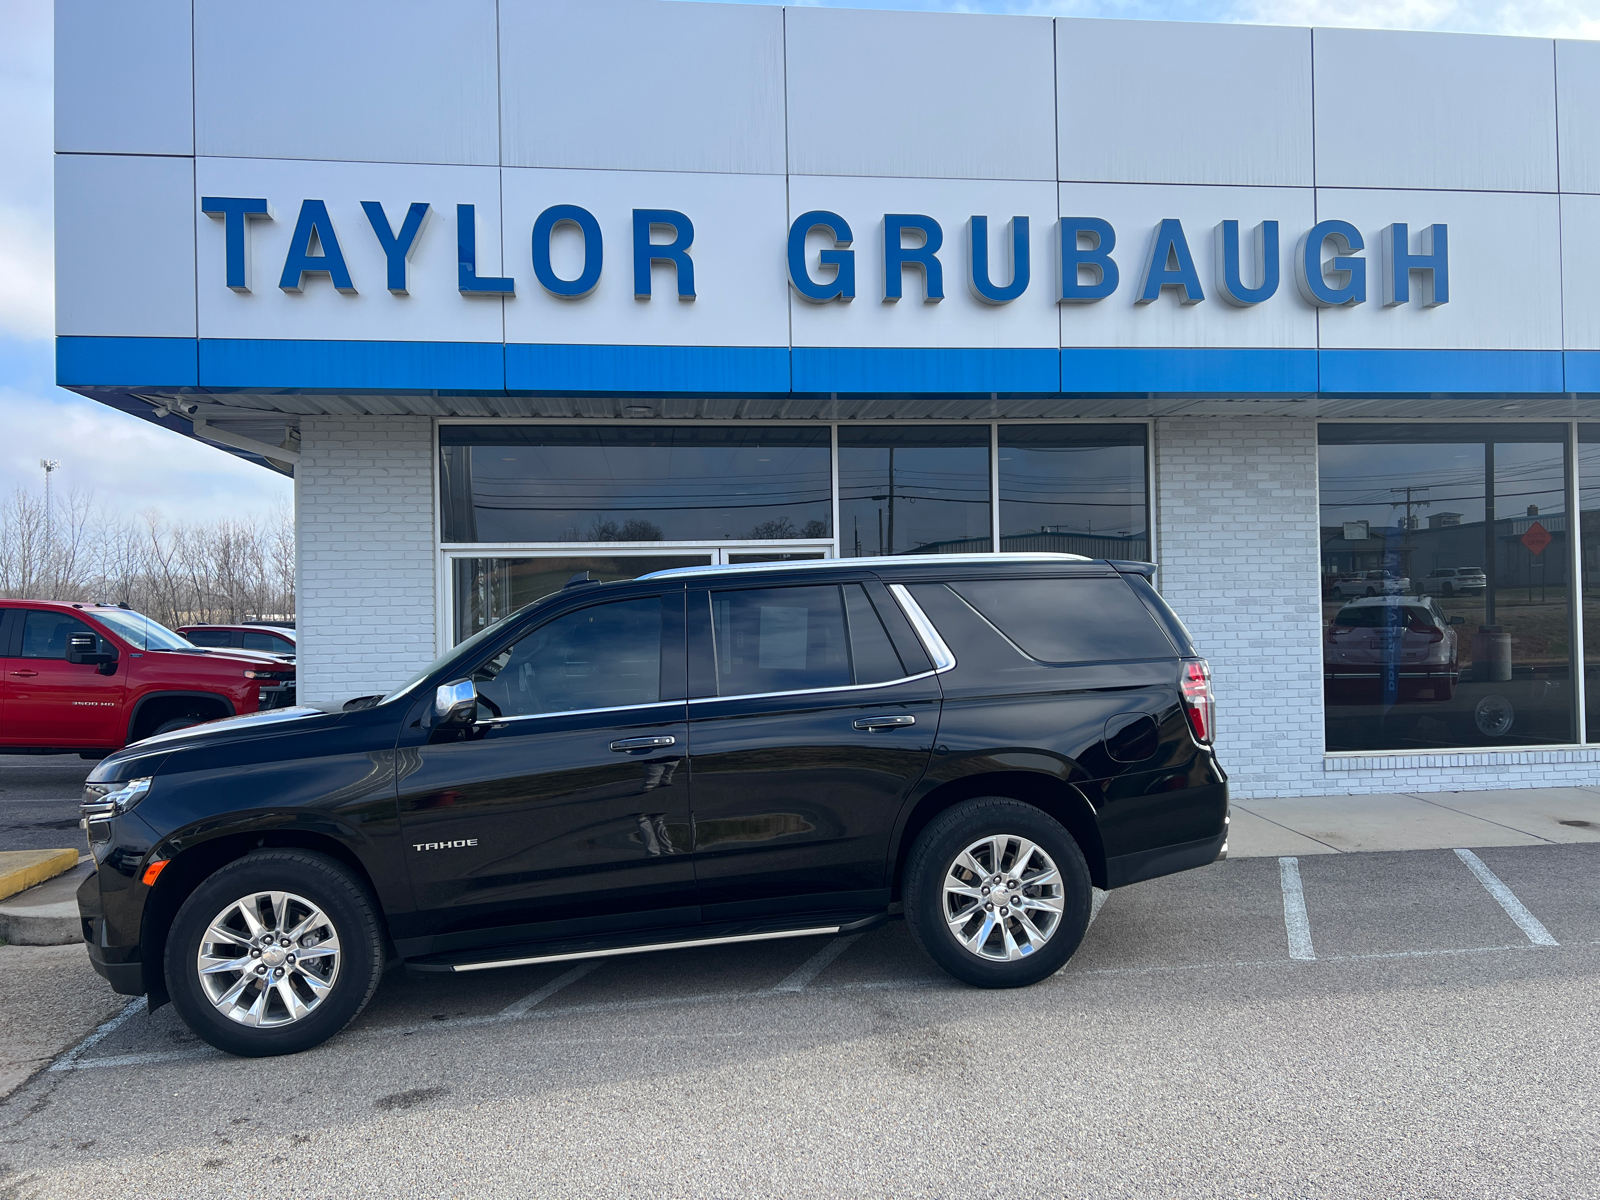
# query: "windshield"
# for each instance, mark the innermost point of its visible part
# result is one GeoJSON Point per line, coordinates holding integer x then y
{"type": "Point", "coordinates": [482, 635]}
{"type": "Point", "coordinates": [140, 631]}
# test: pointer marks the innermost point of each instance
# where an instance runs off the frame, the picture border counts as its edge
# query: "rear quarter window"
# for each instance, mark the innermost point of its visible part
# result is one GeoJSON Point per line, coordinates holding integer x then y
{"type": "Point", "coordinates": [1068, 620]}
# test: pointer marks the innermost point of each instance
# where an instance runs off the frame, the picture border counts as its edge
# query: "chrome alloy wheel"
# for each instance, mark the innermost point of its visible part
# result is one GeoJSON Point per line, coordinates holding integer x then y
{"type": "Point", "coordinates": [1003, 898]}
{"type": "Point", "coordinates": [268, 959]}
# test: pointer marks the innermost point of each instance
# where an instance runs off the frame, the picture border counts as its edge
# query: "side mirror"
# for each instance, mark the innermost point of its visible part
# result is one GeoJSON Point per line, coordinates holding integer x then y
{"type": "Point", "coordinates": [455, 703]}
{"type": "Point", "coordinates": [1458, 620]}
{"type": "Point", "coordinates": [82, 651]}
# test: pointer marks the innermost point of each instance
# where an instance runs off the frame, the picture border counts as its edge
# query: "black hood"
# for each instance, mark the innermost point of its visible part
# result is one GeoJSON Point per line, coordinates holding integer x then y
{"type": "Point", "coordinates": [245, 727]}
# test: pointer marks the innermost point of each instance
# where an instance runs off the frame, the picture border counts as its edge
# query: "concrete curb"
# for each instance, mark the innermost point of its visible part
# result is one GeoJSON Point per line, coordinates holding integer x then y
{"type": "Point", "coordinates": [46, 914]}
{"type": "Point", "coordinates": [22, 869]}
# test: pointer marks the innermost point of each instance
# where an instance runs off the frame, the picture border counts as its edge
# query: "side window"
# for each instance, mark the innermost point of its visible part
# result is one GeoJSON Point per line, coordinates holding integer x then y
{"type": "Point", "coordinates": [210, 637]}
{"type": "Point", "coordinates": [871, 651]}
{"type": "Point", "coordinates": [269, 642]}
{"type": "Point", "coordinates": [781, 639]}
{"type": "Point", "coordinates": [1069, 620]}
{"type": "Point", "coordinates": [44, 634]}
{"type": "Point", "coordinates": [604, 656]}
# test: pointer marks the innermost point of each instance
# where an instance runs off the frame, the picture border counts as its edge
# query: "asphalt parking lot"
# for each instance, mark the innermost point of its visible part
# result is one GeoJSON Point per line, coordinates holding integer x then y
{"type": "Point", "coordinates": [1391, 1028]}
{"type": "Point", "coordinates": [39, 796]}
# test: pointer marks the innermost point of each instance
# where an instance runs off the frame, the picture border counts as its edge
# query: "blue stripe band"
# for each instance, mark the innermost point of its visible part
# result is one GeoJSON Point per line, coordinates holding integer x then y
{"type": "Point", "coordinates": [222, 364]}
{"type": "Point", "coordinates": [1093, 371]}
{"type": "Point", "coordinates": [700, 369]}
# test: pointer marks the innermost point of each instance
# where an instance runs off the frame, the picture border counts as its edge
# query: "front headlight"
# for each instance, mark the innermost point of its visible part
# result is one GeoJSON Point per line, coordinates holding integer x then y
{"type": "Point", "coordinates": [102, 800]}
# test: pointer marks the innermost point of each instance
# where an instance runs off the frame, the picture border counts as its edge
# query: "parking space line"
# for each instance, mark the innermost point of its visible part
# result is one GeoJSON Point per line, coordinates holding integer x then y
{"type": "Point", "coordinates": [1295, 921]}
{"type": "Point", "coordinates": [1515, 909]}
{"type": "Point", "coordinates": [526, 1005]}
{"type": "Point", "coordinates": [66, 1061]}
{"type": "Point", "coordinates": [816, 964]}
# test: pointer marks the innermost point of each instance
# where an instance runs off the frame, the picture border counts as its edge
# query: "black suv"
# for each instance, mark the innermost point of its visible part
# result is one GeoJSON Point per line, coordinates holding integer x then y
{"type": "Point", "coordinates": [710, 755]}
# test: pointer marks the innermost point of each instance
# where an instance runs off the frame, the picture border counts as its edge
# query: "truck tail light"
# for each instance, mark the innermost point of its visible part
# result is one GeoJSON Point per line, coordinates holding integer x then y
{"type": "Point", "coordinates": [1198, 701]}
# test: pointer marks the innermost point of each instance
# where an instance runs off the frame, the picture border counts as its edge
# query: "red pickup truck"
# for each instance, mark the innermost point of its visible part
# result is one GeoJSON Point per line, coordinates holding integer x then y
{"type": "Point", "coordinates": [91, 678]}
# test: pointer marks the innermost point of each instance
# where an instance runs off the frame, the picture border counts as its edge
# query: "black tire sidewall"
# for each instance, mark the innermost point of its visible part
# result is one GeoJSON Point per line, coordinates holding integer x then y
{"type": "Point", "coordinates": [950, 833]}
{"type": "Point", "coordinates": [319, 879]}
{"type": "Point", "coordinates": [175, 724]}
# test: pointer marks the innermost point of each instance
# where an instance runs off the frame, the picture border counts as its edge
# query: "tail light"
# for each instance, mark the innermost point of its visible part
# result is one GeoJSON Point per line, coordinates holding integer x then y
{"type": "Point", "coordinates": [1198, 701]}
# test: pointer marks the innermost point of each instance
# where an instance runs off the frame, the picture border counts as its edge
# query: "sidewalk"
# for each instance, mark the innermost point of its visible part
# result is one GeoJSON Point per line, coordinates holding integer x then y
{"type": "Point", "coordinates": [1413, 821]}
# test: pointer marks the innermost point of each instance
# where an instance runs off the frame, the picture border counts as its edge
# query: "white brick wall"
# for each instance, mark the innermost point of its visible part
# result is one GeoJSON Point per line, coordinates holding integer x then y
{"type": "Point", "coordinates": [1236, 512]}
{"type": "Point", "coordinates": [364, 513]}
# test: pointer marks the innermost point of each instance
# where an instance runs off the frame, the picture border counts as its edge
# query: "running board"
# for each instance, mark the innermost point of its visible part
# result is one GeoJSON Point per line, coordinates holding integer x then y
{"type": "Point", "coordinates": [556, 954]}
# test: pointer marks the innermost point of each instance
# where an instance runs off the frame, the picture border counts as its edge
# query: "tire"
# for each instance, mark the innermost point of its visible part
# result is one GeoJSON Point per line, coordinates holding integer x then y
{"type": "Point", "coordinates": [213, 919]}
{"type": "Point", "coordinates": [175, 723]}
{"type": "Point", "coordinates": [1449, 589]}
{"type": "Point", "coordinates": [1002, 959]}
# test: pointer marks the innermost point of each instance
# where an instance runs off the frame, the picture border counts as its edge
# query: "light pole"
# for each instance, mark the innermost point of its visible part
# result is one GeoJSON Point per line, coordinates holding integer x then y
{"type": "Point", "coordinates": [49, 465]}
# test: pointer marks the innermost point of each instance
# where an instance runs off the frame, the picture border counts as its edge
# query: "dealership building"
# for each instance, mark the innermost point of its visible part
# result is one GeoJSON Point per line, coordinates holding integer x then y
{"type": "Point", "coordinates": [1308, 318]}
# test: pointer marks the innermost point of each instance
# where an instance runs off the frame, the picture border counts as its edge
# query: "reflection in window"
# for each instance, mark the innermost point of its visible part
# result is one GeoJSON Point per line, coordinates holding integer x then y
{"type": "Point", "coordinates": [1444, 586]}
{"type": "Point", "coordinates": [603, 656]}
{"type": "Point", "coordinates": [1589, 518]}
{"type": "Point", "coordinates": [779, 639]}
{"type": "Point", "coordinates": [530, 483]}
{"type": "Point", "coordinates": [1074, 489]}
{"type": "Point", "coordinates": [922, 490]}
{"type": "Point", "coordinates": [487, 589]}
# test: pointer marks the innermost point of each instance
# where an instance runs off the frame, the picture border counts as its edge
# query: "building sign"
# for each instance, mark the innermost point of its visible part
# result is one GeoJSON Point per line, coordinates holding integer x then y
{"type": "Point", "coordinates": [1333, 263]}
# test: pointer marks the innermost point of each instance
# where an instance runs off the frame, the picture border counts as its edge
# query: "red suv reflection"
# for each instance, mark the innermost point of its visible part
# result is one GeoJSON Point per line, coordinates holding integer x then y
{"type": "Point", "coordinates": [1390, 649]}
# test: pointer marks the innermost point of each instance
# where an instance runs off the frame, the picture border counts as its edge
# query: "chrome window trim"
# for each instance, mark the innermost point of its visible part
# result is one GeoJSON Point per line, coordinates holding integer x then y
{"type": "Point", "coordinates": [942, 560]}
{"type": "Point", "coordinates": [838, 687]}
{"type": "Point", "coordinates": [927, 632]}
{"type": "Point", "coordinates": [495, 722]}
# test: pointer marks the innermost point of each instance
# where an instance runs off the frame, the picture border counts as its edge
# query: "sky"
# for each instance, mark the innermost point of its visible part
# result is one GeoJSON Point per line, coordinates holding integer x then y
{"type": "Point", "coordinates": [133, 465]}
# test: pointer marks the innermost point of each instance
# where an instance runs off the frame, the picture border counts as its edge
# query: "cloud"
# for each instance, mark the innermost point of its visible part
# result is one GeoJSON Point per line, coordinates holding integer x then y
{"type": "Point", "coordinates": [27, 273]}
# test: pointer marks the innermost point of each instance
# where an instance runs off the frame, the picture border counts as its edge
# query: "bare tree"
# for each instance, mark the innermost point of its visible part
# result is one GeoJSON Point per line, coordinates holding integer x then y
{"type": "Point", "coordinates": [220, 571]}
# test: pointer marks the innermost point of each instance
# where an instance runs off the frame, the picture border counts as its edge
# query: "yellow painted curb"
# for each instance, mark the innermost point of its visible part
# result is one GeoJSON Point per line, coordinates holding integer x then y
{"type": "Point", "coordinates": [20, 869]}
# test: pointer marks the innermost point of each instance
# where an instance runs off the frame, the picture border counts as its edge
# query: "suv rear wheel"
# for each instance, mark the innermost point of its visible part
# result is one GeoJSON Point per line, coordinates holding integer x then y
{"type": "Point", "coordinates": [275, 953]}
{"type": "Point", "coordinates": [997, 893]}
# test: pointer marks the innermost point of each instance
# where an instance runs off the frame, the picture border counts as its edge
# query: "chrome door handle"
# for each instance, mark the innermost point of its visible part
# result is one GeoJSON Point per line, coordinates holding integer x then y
{"type": "Point", "coordinates": [24, 674]}
{"type": "Point", "coordinates": [643, 743]}
{"type": "Point", "coordinates": [884, 722]}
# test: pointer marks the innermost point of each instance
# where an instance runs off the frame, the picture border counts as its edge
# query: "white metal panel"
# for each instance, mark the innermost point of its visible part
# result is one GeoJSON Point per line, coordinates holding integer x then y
{"type": "Point", "coordinates": [1135, 210]}
{"type": "Point", "coordinates": [960, 319]}
{"type": "Point", "coordinates": [738, 255]}
{"type": "Point", "coordinates": [408, 81]}
{"type": "Point", "coordinates": [922, 95]}
{"type": "Point", "coordinates": [433, 311]}
{"type": "Point", "coordinates": [1580, 269]}
{"type": "Point", "coordinates": [124, 246]}
{"type": "Point", "coordinates": [1505, 272]}
{"type": "Point", "coordinates": [640, 85]}
{"type": "Point", "coordinates": [1434, 110]}
{"type": "Point", "coordinates": [123, 80]}
{"type": "Point", "coordinates": [1244, 117]}
{"type": "Point", "coordinates": [1578, 104]}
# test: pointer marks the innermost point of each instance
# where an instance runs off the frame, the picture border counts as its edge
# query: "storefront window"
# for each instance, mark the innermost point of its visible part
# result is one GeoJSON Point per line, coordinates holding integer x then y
{"type": "Point", "coordinates": [1074, 489]}
{"type": "Point", "coordinates": [1444, 586]}
{"type": "Point", "coordinates": [1589, 543]}
{"type": "Point", "coordinates": [541, 483]}
{"type": "Point", "coordinates": [487, 589]}
{"type": "Point", "coordinates": [921, 490]}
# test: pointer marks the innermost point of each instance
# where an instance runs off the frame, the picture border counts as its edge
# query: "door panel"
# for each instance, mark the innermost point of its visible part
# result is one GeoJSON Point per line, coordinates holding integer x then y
{"type": "Point", "coordinates": [794, 801]}
{"type": "Point", "coordinates": [51, 702]}
{"type": "Point", "coordinates": [530, 824]}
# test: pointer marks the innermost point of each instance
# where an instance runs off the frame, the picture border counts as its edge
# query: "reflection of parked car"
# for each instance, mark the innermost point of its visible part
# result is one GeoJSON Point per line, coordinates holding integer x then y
{"type": "Point", "coordinates": [1408, 637]}
{"type": "Point", "coordinates": [1450, 581]}
{"type": "Point", "coordinates": [1369, 583]}
{"type": "Point", "coordinates": [274, 639]}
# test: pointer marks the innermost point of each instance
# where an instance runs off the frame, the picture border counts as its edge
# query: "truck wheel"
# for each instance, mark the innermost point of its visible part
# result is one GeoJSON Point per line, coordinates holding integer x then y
{"type": "Point", "coordinates": [997, 893]}
{"type": "Point", "coordinates": [275, 953]}
{"type": "Point", "coordinates": [1449, 589]}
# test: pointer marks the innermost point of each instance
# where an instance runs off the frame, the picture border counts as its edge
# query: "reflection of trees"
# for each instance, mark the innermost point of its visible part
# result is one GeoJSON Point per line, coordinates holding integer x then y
{"type": "Point", "coordinates": [782, 529]}
{"type": "Point", "coordinates": [635, 529]}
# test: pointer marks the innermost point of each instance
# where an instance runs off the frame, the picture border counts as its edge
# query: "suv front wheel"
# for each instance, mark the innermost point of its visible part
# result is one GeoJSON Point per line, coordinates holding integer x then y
{"type": "Point", "coordinates": [275, 953]}
{"type": "Point", "coordinates": [997, 893]}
